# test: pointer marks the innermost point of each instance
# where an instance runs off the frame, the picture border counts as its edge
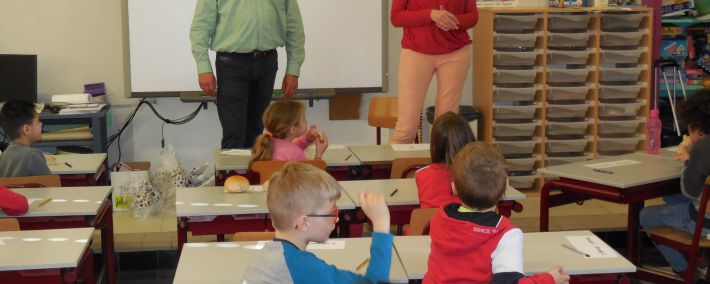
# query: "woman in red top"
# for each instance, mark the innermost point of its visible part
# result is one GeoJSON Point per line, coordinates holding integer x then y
{"type": "Point", "coordinates": [435, 41]}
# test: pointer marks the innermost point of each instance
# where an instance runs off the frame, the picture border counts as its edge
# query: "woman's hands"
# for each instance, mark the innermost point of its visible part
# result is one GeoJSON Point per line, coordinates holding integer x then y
{"type": "Point", "coordinates": [444, 20]}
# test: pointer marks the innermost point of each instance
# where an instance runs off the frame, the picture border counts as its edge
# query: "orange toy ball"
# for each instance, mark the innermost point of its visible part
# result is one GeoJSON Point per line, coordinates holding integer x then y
{"type": "Point", "coordinates": [235, 184]}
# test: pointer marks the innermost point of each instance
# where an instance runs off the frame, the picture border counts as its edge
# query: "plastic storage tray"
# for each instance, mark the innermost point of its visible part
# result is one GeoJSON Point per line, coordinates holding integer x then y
{"type": "Point", "coordinates": [611, 111]}
{"type": "Point", "coordinates": [513, 58]}
{"type": "Point", "coordinates": [522, 182]}
{"type": "Point", "coordinates": [632, 56]}
{"type": "Point", "coordinates": [616, 128]}
{"type": "Point", "coordinates": [517, 147]}
{"type": "Point", "coordinates": [557, 161]}
{"type": "Point", "coordinates": [621, 21]}
{"type": "Point", "coordinates": [609, 92]}
{"type": "Point", "coordinates": [561, 22]}
{"type": "Point", "coordinates": [501, 94]}
{"type": "Point", "coordinates": [620, 74]}
{"type": "Point", "coordinates": [569, 56]}
{"type": "Point", "coordinates": [568, 93]}
{"type": "Point", "coordinates": [514, 112]}
{"type": "Point", "coordinates": [522, 165]}
{"type": "Point", "coordinates": [567, 128]}
{"type": "Point", "coordinates": [508, 22]}
{"type": "Point", "coordinates": [514, 41]}
{"type": "Point", "coordinates": [615, 146]}
{"type": "Point", "coordinates": [567, 40]}
{"type": "Point", "coordinates": [568, 75]}
{"type": "Point", "coordinates": [566, 146]}
{"type": "Point", "coordinates": [502, 76]}
{"type": "Point", "coordinates": [622, 39]}
{"type": "Point", "coordinates": [577, 111]}
{"type": "Point", "coordinates": [511, 130]}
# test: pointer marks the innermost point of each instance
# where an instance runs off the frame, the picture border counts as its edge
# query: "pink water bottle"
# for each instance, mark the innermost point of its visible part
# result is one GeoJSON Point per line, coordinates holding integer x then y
{"type": "Point", "coordinates": [653, 132]}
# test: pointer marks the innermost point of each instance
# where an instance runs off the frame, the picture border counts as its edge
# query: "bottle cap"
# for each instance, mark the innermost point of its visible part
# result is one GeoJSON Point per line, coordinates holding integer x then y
{"type": "Point", "coordinates": [653, 113]}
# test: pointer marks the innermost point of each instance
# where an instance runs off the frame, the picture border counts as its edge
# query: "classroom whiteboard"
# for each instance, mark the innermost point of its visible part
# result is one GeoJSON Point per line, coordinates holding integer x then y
{"type": "Point", "coordinates": [344, 46]}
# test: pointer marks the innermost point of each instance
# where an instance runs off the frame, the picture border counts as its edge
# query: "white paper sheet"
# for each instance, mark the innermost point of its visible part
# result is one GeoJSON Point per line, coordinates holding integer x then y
{"type": "Point", "coordinates": [2, 243]}
{"type": "Point", "coordinates": [410, 147]}
{"type": "Point", "coordinates": [329, 244]}
{"type": "Point", "coordinates": [593, 246]}
{"type": "Point", "coordinates": [612, 164]}
{"type": "Point", "coordinates": [236, 152]}
{"type": "Point", "coordinates": [330, 147]}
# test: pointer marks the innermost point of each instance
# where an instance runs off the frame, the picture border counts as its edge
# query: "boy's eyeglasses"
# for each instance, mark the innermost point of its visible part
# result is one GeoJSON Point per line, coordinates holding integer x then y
{"type": "Point", "coordinates": [333, 214]}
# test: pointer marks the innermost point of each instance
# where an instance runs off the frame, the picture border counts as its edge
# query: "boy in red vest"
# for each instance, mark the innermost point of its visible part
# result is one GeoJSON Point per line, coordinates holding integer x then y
{"type": "Point", "coordinates": [471, 243]}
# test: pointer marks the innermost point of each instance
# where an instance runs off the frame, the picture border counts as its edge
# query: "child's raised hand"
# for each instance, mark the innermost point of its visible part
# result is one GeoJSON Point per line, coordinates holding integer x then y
{"type": "Point", "coordinates": [321, 145]}
{"type": "Point", "coordinates": [374, 206]}
{"type": "Point", "coordinates": [559, 275]}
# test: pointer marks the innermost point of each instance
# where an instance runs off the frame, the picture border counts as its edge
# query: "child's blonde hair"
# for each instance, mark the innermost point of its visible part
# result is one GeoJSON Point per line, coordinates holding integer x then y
{"type": "Point", "coordinates": [278, 119]}
{"type": "Point", "coordinates": [298, 189]}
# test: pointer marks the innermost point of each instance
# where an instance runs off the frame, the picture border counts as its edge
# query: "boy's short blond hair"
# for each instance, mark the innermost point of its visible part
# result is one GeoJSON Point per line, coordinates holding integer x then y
{"type": "Point", "coordinates": [298, 189]}
{"type": "Point", "coordinates": [479, 175]}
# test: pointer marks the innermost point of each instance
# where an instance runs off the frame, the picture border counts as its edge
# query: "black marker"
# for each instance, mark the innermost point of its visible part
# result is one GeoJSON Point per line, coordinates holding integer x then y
{"type": "Point", "coordinates": [604, 172]}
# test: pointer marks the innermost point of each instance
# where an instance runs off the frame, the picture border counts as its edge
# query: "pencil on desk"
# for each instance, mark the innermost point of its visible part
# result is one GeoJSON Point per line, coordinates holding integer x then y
{"type": "Point", "coordinates": [362, 264]}
{"type": "Point", "coordinates": [574, 250]}
{"type": "Point", "coordinates": [68, 164]}
{"type": "Point", "coordinates": [394, 192]}
{"type": "Point", "coordinates": [348, 157]}
{"type": "Point", "coordinates": [44, 202]}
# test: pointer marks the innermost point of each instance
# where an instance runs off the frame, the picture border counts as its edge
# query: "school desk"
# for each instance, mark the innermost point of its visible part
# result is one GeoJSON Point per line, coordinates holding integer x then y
{"type": "Point", "coordinates": [414, 251]}
{"type": "Point", "coordinates": [72, 207]}
{"type": "Point", "coordinates": [211, 211]}
{"type": "Point", "coordinates": [647, 178]}
{"type": "Point", "coordinates": [379, 157]}
{"type": "Point", "coordinates": [46, 256]}
{"type": "Point", "coordinates": [226, 262]}
{"type": "Point", "coordinates": [79, 169]}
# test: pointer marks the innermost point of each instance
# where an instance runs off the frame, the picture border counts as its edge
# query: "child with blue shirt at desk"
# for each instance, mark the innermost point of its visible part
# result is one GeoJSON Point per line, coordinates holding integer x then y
{"type": "Point", "coordinates": [681, 210]}
{"type": "Point", "coordinates": [287, 134]}
{"type": "Point", "coordinates": [20, 122]}
{"type": "Point", "coordinates": [301, 200]}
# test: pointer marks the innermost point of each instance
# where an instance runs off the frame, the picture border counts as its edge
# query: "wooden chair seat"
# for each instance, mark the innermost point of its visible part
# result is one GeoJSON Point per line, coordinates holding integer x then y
{"type": "Point", "coordinates": [9, 224]}
{"type": "Point", "coordinates": [678, 236]}
{"type": "Point", "coordinates": [267, 168]}
{"type": "Point", "coordinates": [405, 167]}
{"type": "Point", "coordinates": [420, 220]}
{"type": "Point", "coordinates": [382, 113]}
{"type": "Point", "coordinates": [252, 236]}
{"type": "Point", "coordinates": [31, 181]}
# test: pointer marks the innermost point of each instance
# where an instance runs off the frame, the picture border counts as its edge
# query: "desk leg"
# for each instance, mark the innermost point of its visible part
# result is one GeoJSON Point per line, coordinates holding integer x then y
{"type": "Point", "coordinates": [107, 246]}
{"type": "Point", "coordinates": [633, 236]}
{"type": "Point", "coordinates": [182, 233]}
{"type": "Point", "coordinates": [544, 207]}
{"type": "Point", "coordinates": [506, 208]}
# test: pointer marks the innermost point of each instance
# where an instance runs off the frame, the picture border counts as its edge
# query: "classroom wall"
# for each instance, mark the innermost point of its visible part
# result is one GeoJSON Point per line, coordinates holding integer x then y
{"type": "Point", "coordinates": [80, 41]}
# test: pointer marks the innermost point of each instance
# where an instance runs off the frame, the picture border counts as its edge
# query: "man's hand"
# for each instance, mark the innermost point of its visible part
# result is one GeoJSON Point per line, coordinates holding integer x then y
{"type": "Point", "coordinates": [208, 84]}
{"type": "Point", "coordinates": [289, 85]}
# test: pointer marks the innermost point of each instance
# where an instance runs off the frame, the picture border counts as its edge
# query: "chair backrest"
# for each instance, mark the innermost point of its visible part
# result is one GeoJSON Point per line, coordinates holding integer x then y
{"type": "Point", "coordinates": [32, 181]}
{"type": "Point", "coordinates": [268, 168]}
{"type": "Point", "coordinates": [405, 167]}
{"type": "Point", "coordinates": [707, 187]}
{"type": "Point", "coordinates": [252, 236]}
{"type": "Point", "coordinates": [9, 224]}
{"type": "Point", "coordinates": [383, 112]}
{"type": "Point", "coordinates": [419, 221]}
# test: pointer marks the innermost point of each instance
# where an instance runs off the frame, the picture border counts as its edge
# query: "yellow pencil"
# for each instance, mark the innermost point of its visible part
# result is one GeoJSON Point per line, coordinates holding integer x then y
{"type": "Point", "coordinates": [362, 264]}
{"type": "Point", "coordinates": [44, 202]}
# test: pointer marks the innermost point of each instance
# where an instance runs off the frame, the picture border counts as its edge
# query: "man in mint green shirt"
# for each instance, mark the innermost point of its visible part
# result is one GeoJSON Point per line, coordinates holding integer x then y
{"type": "Point", "coordinates": [245, 35]}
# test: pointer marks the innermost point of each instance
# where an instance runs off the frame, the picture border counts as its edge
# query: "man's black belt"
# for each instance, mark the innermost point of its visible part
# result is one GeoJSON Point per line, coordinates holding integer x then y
{"type": "Point", "coordinates": [256, 54]}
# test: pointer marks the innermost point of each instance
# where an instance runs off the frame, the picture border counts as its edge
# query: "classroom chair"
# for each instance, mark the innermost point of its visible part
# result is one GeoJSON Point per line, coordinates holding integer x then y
{"type": "Point", "coordinates": [32, 181]}
{"type": "Point", "coordinates": [382, 114]}
{"type": "Point", "coordinates": [9, 224]}
{"type": "Point", "coordinates": [268, 168]}
{"type": "Point", "coordinates": [683, 241]}
{"type": "Point", "coordinates": [420, 220]}
{"type": "Point", "coordinates": [253, 236]}
{"type": "Point", "coordinates": [406, 167]}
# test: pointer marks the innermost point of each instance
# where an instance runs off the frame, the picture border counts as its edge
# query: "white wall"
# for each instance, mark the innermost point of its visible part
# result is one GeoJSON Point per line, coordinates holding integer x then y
{"type": "Point", "coordinates": [80, 41]}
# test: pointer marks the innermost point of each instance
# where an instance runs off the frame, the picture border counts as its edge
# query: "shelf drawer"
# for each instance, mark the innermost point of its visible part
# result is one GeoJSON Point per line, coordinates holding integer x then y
{"type": "Point", "coordinates": [562, 22]}
{"type": "Point", "coordinates": [517, 148]}
{"type": "Point", "coordinates": [522, 182]}
{"type": "Point", "coordinates": [633, 56]}
{"type": "Point", "coordinates": [522, 165]}
{"type": "Point", "coordinates": [510, 130]}
{"type": "Point", "coordinates": [567, 128]}
{"type": "Point", "coordinates": [622, 39]}
{"type": "Point", "coordinates": [513, 58]}
{"type": "Point", "coordinates": [515, 41]}
{"type": "Point", "coordinates": [620, 111]}
{"type": "Point", "coordinates": [618, 146]}
{"type": "Point", "coordinates": [577, 57]}
{"type": "Point", "coordinates": [568, 40]}
{"type": "Point", "coordinates": [502, 76]}
{"type": "Point", "coordinates": [577, 111]}
{"type": "Point", "coordinates": [622, 21]}
{"type": "Point", "coordinates": [513, 22]}
{"type": "Point", "coordinates": [526, 94]}
{"type": "Point", "coordinates": [568, 93]}
{"type": "Point", "coordinates": [610, 92]}
{"type": "Point", "coordinates": [568, 75]}
{"type": "Point", "coordinates": [557, 161]}
{"type": "Point", "coordinates": [515, 112]}
{"type": "Point", "coordinates": [610, 128]}
{"type": "Point", "coordinates": [566, 146]}
{"type": "Point", "coordinates": [621, 74]}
